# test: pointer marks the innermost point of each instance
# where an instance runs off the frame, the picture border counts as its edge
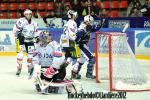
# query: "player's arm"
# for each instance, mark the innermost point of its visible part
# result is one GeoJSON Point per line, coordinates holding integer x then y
{"type": "Point", "coordinates": [72, 28]}
{"type": "Point", "coordinates": [17, 27]}
{"type": "Point", "coordinates": [36, 33]}
{"type": "Point", "coordinates": [79, 36]}
{"type": "Point", "coordinates": [16, 31]}
{"type": "Point", "coordinates": [98, 26]}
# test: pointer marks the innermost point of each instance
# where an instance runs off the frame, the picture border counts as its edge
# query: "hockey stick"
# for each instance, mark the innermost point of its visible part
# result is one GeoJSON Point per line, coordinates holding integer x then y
{"type": "Point", "coordinates": [102, 24]}
{"type": "Point", "coordinates": [89, 10]}
{"type": "Point", "coordinates": [123, 31]}
{"type": "Point", "coordinates": [125, 28]}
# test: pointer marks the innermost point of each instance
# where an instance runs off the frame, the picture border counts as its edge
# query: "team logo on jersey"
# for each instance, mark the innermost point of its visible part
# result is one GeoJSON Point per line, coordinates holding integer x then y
{"type": "Point", "coordinates": [45, 55]}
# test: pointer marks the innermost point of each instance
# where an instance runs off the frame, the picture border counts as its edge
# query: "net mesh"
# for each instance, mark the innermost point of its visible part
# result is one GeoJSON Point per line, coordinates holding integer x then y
{"type": "Point", "coordinates": [126, 71]}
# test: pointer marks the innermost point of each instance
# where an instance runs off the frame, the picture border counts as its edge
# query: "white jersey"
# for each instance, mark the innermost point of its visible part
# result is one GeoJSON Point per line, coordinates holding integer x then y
{"type": "Point", "coordinates": [58, 57]}
{"type": "Point", "coordinates": [27, 29]}
{"type": "Point", "coordinates": [49, 56]}
{"type": "Point", "coordinates": [69, 33]}
{"type": "Point", "coordinates": [44, 55]}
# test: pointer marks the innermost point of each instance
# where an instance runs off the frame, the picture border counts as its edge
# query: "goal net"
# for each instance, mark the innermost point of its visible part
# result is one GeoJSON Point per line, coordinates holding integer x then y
{"type": "Point", "coordinates": [116, 63]}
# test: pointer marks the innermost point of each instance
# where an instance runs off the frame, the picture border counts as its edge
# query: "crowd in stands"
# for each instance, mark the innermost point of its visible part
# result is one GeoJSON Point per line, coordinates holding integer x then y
{"type": "Point", "coordinates": [136, 9]}
{"type": "Point", "coordinates": [59, 8]}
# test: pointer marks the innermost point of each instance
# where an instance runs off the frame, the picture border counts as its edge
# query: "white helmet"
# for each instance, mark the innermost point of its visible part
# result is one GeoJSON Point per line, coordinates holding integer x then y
{"type": "Point", "coordinates": [88, 18]}
{"type": "Point", "coordinates": [27, 11]}
{"type": "Point", "coordinates": [71, 13]}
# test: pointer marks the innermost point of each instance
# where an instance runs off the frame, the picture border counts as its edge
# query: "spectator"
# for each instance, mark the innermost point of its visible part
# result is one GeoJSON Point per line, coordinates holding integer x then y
{"type": "Point", "coordinates": [78, 7]}
{"type": "Point", "coordinates": [58, 9]}
{"type": "Point", "coordinates": [146, 8]}
{"type": "Point", "coordinates": [66, 8]}
{"type": "Point", "coordinates": [135, 12]}
{"type": "Point", "coordinates": [133, 4]}
{"type": "Point", "coordinates": [94, 9]}
{"type": "Point", "coordinates": [84, 5]}
{"type": "Point", "coordinates": [102, 13]}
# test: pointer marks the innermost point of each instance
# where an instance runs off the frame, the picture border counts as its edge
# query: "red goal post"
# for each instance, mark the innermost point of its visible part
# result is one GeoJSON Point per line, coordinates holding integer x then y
{"type": "Point", "coordinates": [116, 63]}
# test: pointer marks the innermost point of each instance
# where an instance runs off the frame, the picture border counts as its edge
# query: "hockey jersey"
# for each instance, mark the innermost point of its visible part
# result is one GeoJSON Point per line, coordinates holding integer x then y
{"type": "Point", "coordinates": [25, 28]}
{"type": "Point", "coordinates": [50, 55]}
{"type": "Point", "coordinates": [83, 34]}
{"type": "Point", "coordinates": [69, 33]}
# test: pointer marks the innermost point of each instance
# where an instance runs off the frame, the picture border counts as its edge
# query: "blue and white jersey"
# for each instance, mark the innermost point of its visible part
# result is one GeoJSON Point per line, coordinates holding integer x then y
{"type": "Point", "coordinates": [83, 34]}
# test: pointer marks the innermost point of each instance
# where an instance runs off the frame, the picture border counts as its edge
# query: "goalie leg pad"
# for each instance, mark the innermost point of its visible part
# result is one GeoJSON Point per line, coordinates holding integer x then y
{"type": "Point", "coordinates": [60, 75]}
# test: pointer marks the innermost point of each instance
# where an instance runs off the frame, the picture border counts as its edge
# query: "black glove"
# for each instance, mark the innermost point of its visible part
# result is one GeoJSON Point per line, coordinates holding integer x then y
{"type": "Point", "coordinates": [37, 39]}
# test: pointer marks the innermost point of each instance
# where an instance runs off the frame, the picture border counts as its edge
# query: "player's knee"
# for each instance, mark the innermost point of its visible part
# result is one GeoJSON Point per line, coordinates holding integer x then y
{"type": "Point", "coordinates": [21, 47]}
{"type": "Point", "coordinates": [91, 63]}
{"type": "Point", "coordinates": [69, 60]}
{"type": "Point", "coordinates": [29, 58]}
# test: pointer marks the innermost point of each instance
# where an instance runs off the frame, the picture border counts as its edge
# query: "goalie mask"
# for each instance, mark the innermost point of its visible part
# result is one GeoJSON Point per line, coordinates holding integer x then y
{"type": "Point", "coordinates": [45, 37]}
{"type": "Point", "coordinates": [72, 14]}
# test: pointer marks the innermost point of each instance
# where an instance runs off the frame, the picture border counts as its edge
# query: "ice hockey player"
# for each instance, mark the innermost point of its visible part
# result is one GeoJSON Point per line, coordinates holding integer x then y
{"type": "Point", "coordinates": [83, 37]}
{"type": "Point", "coordinates": [25, 31]}
{"type": "Point", "coordinates": [68, 37]}
{"type": "Point", "coordinates": [49, 58]}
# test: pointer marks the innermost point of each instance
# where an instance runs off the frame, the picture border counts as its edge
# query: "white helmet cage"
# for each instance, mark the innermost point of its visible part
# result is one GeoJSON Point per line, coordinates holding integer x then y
{"type": "Point", "coordinates": [71, 13]}
{"type": "Point", "coordinates": [27, 11]}
{"type": "Point", "coordinates": [89, 19]}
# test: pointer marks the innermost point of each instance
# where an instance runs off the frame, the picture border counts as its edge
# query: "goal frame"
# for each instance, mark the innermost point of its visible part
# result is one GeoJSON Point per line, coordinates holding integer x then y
{"type": "Point", "coordinates": [109, 34]}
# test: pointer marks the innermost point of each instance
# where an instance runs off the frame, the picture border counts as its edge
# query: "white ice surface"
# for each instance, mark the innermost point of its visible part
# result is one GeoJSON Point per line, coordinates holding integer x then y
{"type": "Point", "coordinates": [20, 88]}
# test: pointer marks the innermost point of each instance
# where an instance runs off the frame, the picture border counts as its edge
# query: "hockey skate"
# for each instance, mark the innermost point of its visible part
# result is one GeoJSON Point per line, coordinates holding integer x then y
{"type": "Point", "coordinates": [18, 72]}
{"type": "Point", "coordinates": [75, 75]}
{"type": "Point", "coordinates": [19, 67]}
{"type": "Point", "coordinates": [89, 75]}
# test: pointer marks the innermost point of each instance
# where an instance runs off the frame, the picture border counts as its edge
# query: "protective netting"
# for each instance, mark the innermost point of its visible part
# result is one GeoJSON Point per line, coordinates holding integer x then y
{"type": "Point", "coordinates": [115, 57]}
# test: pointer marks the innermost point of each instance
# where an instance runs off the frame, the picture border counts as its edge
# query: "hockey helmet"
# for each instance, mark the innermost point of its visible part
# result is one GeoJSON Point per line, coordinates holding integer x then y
{"type": "Point", "coordinates": [27, 11]}
{"type": "Point", "coordinates": [72, 13]}
{"type": "Point", "coordinates": [89, 19]}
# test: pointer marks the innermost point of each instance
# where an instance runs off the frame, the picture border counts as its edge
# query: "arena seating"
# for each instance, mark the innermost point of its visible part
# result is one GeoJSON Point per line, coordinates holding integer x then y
{"type": "Point", "coordinates": [11, 8]}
